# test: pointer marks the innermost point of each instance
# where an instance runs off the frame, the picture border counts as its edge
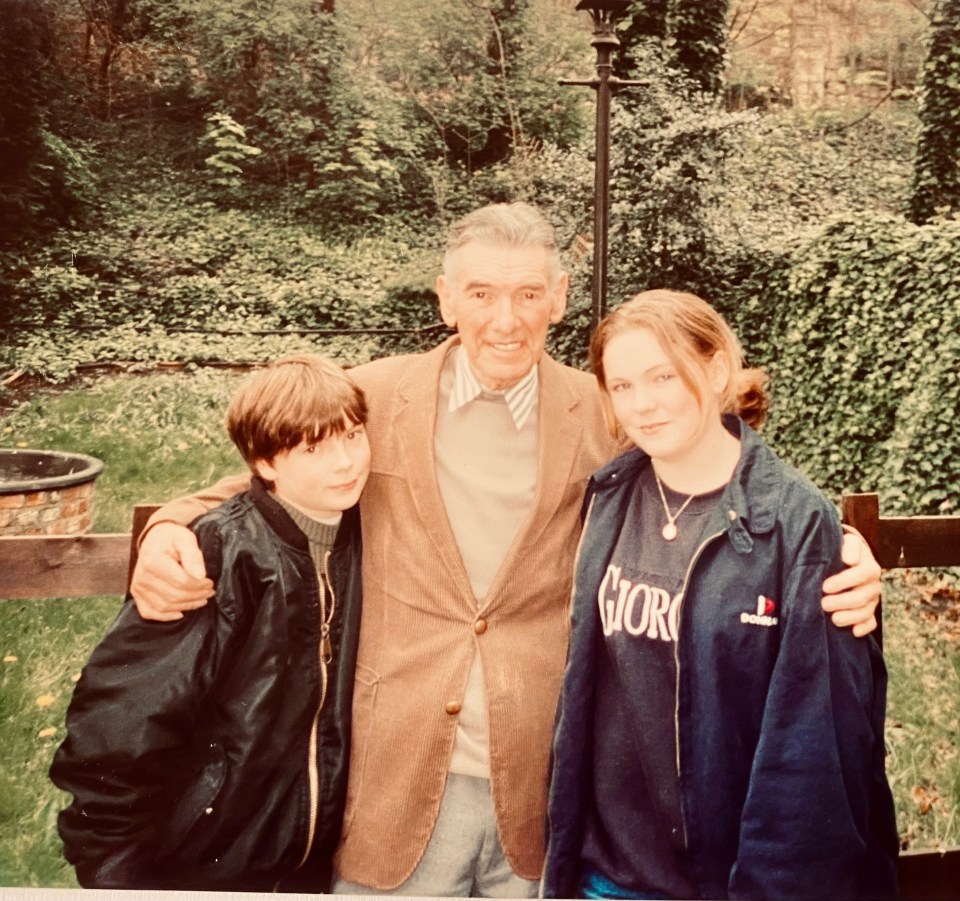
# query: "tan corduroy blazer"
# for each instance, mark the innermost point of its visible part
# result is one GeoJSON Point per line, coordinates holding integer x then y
{"type": "Point", "coordinates": [421, 624]}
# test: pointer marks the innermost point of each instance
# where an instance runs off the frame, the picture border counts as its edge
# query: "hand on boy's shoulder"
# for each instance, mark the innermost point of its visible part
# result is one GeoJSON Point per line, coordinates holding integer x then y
{"type": "Point", "coordinates": [170, 576]}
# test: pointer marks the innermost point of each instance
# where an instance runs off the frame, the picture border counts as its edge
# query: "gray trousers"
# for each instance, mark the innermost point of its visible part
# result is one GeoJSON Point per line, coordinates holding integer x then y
{"type": "Point", "coordinates": [464, 857]}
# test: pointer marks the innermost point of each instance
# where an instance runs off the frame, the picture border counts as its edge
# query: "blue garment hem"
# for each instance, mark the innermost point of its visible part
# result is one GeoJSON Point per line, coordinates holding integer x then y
{"type": "Point", "coordinates": [593, 884]}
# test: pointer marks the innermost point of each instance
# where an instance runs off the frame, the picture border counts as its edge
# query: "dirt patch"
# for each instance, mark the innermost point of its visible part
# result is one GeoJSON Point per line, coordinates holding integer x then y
{"type": "Point", "coordinates": [938, 600]}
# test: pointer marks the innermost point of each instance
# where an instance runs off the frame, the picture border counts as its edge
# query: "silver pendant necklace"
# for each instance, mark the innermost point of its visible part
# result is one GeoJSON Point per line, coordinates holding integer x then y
{"type": "Point", "coordinates": [669, 531]}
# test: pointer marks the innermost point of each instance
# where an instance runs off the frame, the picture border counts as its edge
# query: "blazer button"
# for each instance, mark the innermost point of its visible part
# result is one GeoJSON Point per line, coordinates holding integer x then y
{"type": "Point", "coordinates": [452, 707]}
{"type": "Point", "coordinates": [480, 626]}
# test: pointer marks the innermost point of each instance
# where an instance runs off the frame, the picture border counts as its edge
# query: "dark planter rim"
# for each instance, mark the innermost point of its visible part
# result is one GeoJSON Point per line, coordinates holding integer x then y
{"type": "Point", "coordinates": [68, 469]}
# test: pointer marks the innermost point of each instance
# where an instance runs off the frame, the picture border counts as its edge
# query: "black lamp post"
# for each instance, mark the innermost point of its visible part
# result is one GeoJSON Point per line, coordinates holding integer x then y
{"type": "Point", "coordinates": [605, 14]}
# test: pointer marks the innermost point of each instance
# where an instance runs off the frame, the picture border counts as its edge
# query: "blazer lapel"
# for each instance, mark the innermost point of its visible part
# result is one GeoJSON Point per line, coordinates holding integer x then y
{"type": "Point", "coordinates": [560, 431]}
{"type": "Point", "coordinates": [415, 422]}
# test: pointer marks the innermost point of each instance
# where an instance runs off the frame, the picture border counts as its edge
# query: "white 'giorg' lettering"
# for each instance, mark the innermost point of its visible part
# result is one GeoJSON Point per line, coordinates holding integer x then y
{"type": "Point", "coordinates": [644, 610]}
{"type": "Point", "coordinates": [639, 608]}
{"type": "Point", "coordinates": [608, 617]}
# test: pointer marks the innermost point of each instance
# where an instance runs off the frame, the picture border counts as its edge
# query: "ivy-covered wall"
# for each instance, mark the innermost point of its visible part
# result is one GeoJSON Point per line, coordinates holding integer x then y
{"type": "Point", "coordinates": [860, 331]}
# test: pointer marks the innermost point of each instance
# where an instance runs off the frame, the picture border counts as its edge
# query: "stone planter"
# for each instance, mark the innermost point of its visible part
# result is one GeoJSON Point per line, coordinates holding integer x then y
{"type": "Point", "coordinates": [46, 492]}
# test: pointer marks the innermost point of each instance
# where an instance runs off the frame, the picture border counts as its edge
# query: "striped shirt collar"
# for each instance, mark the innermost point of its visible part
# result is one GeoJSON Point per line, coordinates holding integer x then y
{"type": "Point", "coordinates": [521, 398]}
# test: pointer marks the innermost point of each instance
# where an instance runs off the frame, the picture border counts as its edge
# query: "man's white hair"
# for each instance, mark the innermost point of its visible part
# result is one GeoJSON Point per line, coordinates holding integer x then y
{"type": "Point", "coordinates": [509, 224]}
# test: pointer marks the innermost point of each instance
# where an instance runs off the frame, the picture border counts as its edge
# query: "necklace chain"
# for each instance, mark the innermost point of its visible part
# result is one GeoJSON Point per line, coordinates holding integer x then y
{"type": "Point", "coordinates": [669, 531]}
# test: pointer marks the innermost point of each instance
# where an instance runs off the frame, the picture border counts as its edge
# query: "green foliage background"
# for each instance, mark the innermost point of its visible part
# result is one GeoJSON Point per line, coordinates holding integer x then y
{"type": "Point", "coordinates": [863, 354]}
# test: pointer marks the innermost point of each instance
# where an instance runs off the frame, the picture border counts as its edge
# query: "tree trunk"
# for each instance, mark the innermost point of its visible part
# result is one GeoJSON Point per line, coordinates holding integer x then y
{"type": "Point", "coordinates": [108, 31]}
{"type": "Point", "coordinates": [700, 34]}
{"type": "Point", "coordinates": [936, 176]}
{"type": "Point", "coordinates": [646, 23]}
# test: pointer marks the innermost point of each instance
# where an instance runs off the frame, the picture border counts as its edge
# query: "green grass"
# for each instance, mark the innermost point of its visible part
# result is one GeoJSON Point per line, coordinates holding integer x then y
{"type": "Point", "coordinates": [44, 644]}
{"type": "Point", "coordinates": [162, 435]}
{"type": "Point", "coordinates": [922, 651]}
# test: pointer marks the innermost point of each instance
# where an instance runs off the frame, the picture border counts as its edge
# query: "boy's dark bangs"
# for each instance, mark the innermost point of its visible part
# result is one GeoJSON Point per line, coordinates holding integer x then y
{"type": "Point", "coordinates": [342, 412]}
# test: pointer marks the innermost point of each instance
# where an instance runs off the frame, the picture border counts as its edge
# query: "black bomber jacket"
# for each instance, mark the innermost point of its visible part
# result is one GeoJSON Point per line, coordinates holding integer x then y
{"type": "Point", "coordinates": [211, 752]}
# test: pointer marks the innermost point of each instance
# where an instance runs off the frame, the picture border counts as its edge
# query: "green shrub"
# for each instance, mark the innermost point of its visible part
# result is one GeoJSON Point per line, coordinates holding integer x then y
{"type": "Point", "coordinates": [861, 340]}
{"type": "Point", "coordinates": [225, 143]}
{"type": "Point", "coordinates": [668, 154]}
{"type": "Point", "coordinates": [162, 278]}
{"type": "Point", "coordinates": [790, 172]}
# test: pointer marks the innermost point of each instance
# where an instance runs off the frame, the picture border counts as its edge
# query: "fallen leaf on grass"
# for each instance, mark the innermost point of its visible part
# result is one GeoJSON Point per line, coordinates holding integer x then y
{"type": "Point", "coordinates": [924, 798]}
{"type": "Point", "coordinates": [45, 700]}
{"type": "Point", "coordinates": [49, 732]}
{"type": "Point", "coordinates": [10, 659]}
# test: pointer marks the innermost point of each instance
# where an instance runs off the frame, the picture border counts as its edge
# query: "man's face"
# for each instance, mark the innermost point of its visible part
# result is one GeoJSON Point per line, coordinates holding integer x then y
{"type": "Point", "coordinates": [500, 300]}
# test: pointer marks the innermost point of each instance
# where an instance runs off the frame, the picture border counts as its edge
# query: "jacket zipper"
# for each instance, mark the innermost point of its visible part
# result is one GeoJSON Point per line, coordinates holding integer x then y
{"type": "Point", "coordinates": [573, 591]}
{"type": "Point", "coordinates": [676, 658]}
{"type": "Point", "coordinates": [325, 654]}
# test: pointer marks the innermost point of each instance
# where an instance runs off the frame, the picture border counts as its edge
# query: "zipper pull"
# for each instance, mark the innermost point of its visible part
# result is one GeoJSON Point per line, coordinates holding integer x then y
{"type": "Point", "coordinates": [326, 649]}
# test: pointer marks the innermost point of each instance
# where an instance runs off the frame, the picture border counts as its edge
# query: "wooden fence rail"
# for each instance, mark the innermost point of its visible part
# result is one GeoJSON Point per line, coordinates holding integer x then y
{"type": "Point", "coordinates": [75, 566]}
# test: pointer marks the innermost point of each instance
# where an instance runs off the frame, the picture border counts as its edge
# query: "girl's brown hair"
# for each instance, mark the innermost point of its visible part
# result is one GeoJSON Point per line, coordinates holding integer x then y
{"type": "Point", "coordinates": [691, 333]}
{"type": "Point", "coordinates": [304, 397]}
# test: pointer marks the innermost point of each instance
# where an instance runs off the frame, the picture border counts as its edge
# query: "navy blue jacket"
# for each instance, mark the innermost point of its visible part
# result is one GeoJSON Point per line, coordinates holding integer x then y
{"type": "Point", "coordinates": [779, 713]}
{"type": "Point", "coordinates": [212, 752]}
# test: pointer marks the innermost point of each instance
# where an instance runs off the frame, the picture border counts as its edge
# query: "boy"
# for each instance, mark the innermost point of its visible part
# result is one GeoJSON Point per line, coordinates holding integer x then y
{"type": "Point", "coordinates": [212, 752]}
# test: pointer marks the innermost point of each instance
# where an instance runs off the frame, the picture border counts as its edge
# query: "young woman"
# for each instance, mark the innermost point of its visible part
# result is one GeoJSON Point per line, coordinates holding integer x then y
{"type": "Point", "coordinates": [716, 736]}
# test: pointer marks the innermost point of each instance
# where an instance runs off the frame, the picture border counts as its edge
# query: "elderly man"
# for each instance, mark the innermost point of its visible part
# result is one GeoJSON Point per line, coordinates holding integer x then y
{"type": "Point", "coordinates": [481, 452]}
